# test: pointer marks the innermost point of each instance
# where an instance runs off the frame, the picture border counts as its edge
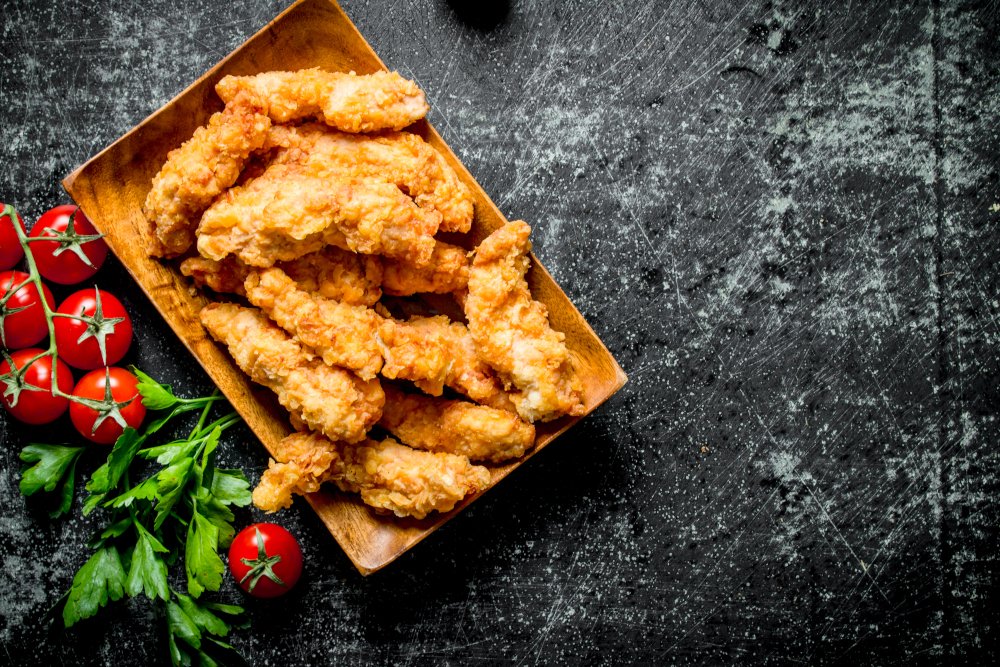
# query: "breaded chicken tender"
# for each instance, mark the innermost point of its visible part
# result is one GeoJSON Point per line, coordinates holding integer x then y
{"type": "Point", "coordinates": [342, 334]}
{"type": "Point", "coordinates": [388, 475]}
{"type": "Point", "coordinates": [289, 212]}
{"type": "Point", "coordinates": [338, 274]}
{"type": "Point", "coordinates": [433, 352]}
{"type": "Point", "coordinates": [447, 272]}
{"type": "Point", "coordinates": [331, 400]}
{"type": "Point", "coordinates": [349, 102]}
{"type": "Point", "coordinates": [401, 158]}
{"type": "Point", "coordinates": [332, 273]}
{"type": "Point", "coordinates": [456, 427]}
{"type": "Point", "coordinates": [194, 174]}
{"type": "Point", "coordinates": [512, 331]}
{"type": "Point", "coordinates": [301, 467]}
{"type": "Point", "coordinates": [226, 276]}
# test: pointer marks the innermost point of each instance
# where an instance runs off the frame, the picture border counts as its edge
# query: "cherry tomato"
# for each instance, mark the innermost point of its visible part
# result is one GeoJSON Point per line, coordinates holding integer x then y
{"type": "Point", "coordinates": [100, 426]}
{"type": "Point", "coordinates": [11, 251]}
{"type": "Point", "coordinates": [25, 327]}
{"type": "Point", "coordinates": [265, 560]}
{"type": "Point", "coordinates": [79, 341]}
{"type": "Point", "coordinates": [66, 262]}
{"type": "Point", "coordinates": [35, 406]}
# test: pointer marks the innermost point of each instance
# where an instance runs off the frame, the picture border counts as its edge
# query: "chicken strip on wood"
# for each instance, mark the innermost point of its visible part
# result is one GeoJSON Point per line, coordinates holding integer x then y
{"type": "Point", "coordinates": [433, 352]}
{"type": "Point", "coordinates": [389, 476]}
{"type": "Point", "coordinates": [226, 276]}
{"type": "Point", "coordinates": [332, 273]}
{"type": "Point", "coordinates": [342, 334]}
{"type": "Point", "coordinates": [203, 166]}
{"type": "Point", "coordinates": [447, 272]}
{"type": "Point", "coordinates": [338, 274]}
{"type": "Point", "coordinates": [349, 102]}
{"type": "Point", "coordinates": [300, 465]}
{"type": "Point", "coordinates": [402, 158]}
{"type": "Point", "coordinates": [331, 400]}
{"type": "Point", "coordinates": [512, 331]}
{"type": "Point", "coordinates": [289, 212]}
{"type": "Point", "coordinates": [456, 427]}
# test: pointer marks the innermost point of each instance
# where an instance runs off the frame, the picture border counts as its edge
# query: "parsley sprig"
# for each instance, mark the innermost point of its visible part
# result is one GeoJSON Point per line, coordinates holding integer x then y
{"type": "Point", "coordinates": [167, 506]}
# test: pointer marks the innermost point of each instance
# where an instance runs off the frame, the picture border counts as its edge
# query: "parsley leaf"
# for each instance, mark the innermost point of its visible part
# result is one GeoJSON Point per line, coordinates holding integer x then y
{"type": "Point", "coordinates": [143, 491]}
{"type": "Point", "coordinates": [201, 556]}
{"type": "Point", "coordinates": [106, 478]}
{"type": "Point", "coordinates": [198, 626]}
{"type": "Point", "coordinates": [155, 396]}
{"type": "Point", "coordinates": [230, 487]}
{"type": "Point", "coordinates": [101, 578]}
{"type": "Point", "coordinates": [55, 465]}
{"type": "Point", "coordinates": [170, 483]}
{"type": "Point", "coordinates": [148, 572]}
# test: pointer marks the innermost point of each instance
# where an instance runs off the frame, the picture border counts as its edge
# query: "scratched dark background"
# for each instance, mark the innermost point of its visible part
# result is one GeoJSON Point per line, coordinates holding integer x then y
{"type": "Point", "coordinates": [782, 219]}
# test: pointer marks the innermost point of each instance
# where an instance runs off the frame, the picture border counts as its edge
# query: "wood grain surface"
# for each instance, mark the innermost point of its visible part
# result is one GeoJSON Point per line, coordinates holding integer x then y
{"type": "Point", "coordinates": [111, 187]}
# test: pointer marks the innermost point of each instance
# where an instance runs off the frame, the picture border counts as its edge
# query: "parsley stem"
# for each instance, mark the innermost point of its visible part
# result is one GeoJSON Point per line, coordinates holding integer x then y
{"type": "Point", "coordinates": [204, 415]}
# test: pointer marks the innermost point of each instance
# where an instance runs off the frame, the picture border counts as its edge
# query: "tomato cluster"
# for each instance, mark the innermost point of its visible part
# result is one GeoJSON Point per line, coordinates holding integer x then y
{"type": "Point", "coordinates": [91, 331]}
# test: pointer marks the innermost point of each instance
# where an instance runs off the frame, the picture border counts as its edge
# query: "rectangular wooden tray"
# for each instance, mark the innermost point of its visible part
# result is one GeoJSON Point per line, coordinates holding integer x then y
{"type": "Point", "coordinates": [111, 187]}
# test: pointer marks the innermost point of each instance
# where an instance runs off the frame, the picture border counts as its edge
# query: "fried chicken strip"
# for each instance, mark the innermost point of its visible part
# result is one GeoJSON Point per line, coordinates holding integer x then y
{"type": "Point", "coordinates": [338, 274]}
{"type": "Point", "coordinates": [388, 475]}
{"type": "Point", "coordinates": [225, 277]}
{"type": "Point", "coordinates": [290, 211]}
{"type": "Point", "coordinates": [456, 427]}
{"type": "Point", "coordinates": [401, 158]}
{"type": "Point", "coordinates": [350, 102]}
{"type": "Point", "coordinates": [342, 334]}
{"type": "Point", "coordinates": [332, 273]}
{"type": "Point", "coordinates": [301, 467]}
{"type": "Point", "coordinates": [330, 400]}
{"type": "Point", "coordinates": [201, 168]}
{"type": "Point", "coordinates": [512, 331]}
{"type": "Point", "coordinates": [447, 272]}
{"type": "Point", "coordinates": [433, 352]}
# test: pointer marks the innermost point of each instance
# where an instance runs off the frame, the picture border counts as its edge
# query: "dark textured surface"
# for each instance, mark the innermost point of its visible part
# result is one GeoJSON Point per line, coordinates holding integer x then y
{"type": "Point", "coordinates": [780, 216]}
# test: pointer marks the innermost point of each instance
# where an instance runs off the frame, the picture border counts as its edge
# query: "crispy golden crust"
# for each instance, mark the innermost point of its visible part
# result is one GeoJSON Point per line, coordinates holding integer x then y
{"type": "Point", "coordinates": [332, 273]}
{"type": "Point", "coordinates": [512, 331]}
{"type": "Point", "coordinates": [331, 400]}
{"type": "Point", "coordinates": [404, 481]}
{"type": "Point", "coordinates": [289, 212]}
{"type": "Point", "coordinates": [433, 352]}
{"type": "Point", "coordinates": [338, 274]}
{"type": "Point", "coordinates": [389, 476]}
{"type": "Point", "coordinates": [198, 171]}
{"type": "Point", "coordinates": [225, 276]}
{"type": "Point", "coordinates": [342, 334]}
{"type": "Point", "coordinates": [401, 158]}
{"type": "Point", "coordinates": [349, 102]}
{"type": "Point", "coordinates": [447, 271]}
{"type": "Point", "coordinates": [302, 465]}
{"type": "Point", "coordinates": [456, 427]}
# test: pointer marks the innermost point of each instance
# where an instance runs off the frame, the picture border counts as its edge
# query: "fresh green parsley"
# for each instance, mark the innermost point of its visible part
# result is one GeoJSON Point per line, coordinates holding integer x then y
{"type": "Point", "coordinates": [166, 505]}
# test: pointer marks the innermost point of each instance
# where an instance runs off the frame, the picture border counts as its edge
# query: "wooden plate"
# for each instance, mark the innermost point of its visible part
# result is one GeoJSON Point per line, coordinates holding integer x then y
{"type": "Point", "coordinates": [111, 187]}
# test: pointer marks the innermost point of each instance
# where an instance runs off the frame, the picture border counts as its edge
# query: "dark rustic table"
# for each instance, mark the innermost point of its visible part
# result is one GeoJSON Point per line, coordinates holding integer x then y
{"type": "Point", "coordinates": [782, 219]}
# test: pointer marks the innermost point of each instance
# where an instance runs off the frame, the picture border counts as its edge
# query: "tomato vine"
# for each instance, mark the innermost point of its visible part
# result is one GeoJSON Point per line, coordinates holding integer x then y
{"type": "Point", "coordinates": [13, 381]}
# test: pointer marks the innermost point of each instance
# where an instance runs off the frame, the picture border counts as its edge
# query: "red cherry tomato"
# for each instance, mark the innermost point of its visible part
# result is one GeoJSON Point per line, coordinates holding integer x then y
{"type": "Point", "coordinates": [36, 406]}
{"type": "Point", "coordinates": [25, 327]}
{"type": "Point", "coordinates": [265, 560]}
{"type": "Point", "coordinates": [79, 342]}
{"type": "Point", "coordinates": [63, 261]}
{"type": "Point", "coordinates": [100, 426]}
{"type": "Point", "coordinates": [11, 251]}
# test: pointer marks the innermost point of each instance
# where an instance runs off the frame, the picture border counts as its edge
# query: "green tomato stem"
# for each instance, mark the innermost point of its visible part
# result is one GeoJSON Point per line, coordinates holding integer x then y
{"type": "Point", "coordinates": [36, 278]}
